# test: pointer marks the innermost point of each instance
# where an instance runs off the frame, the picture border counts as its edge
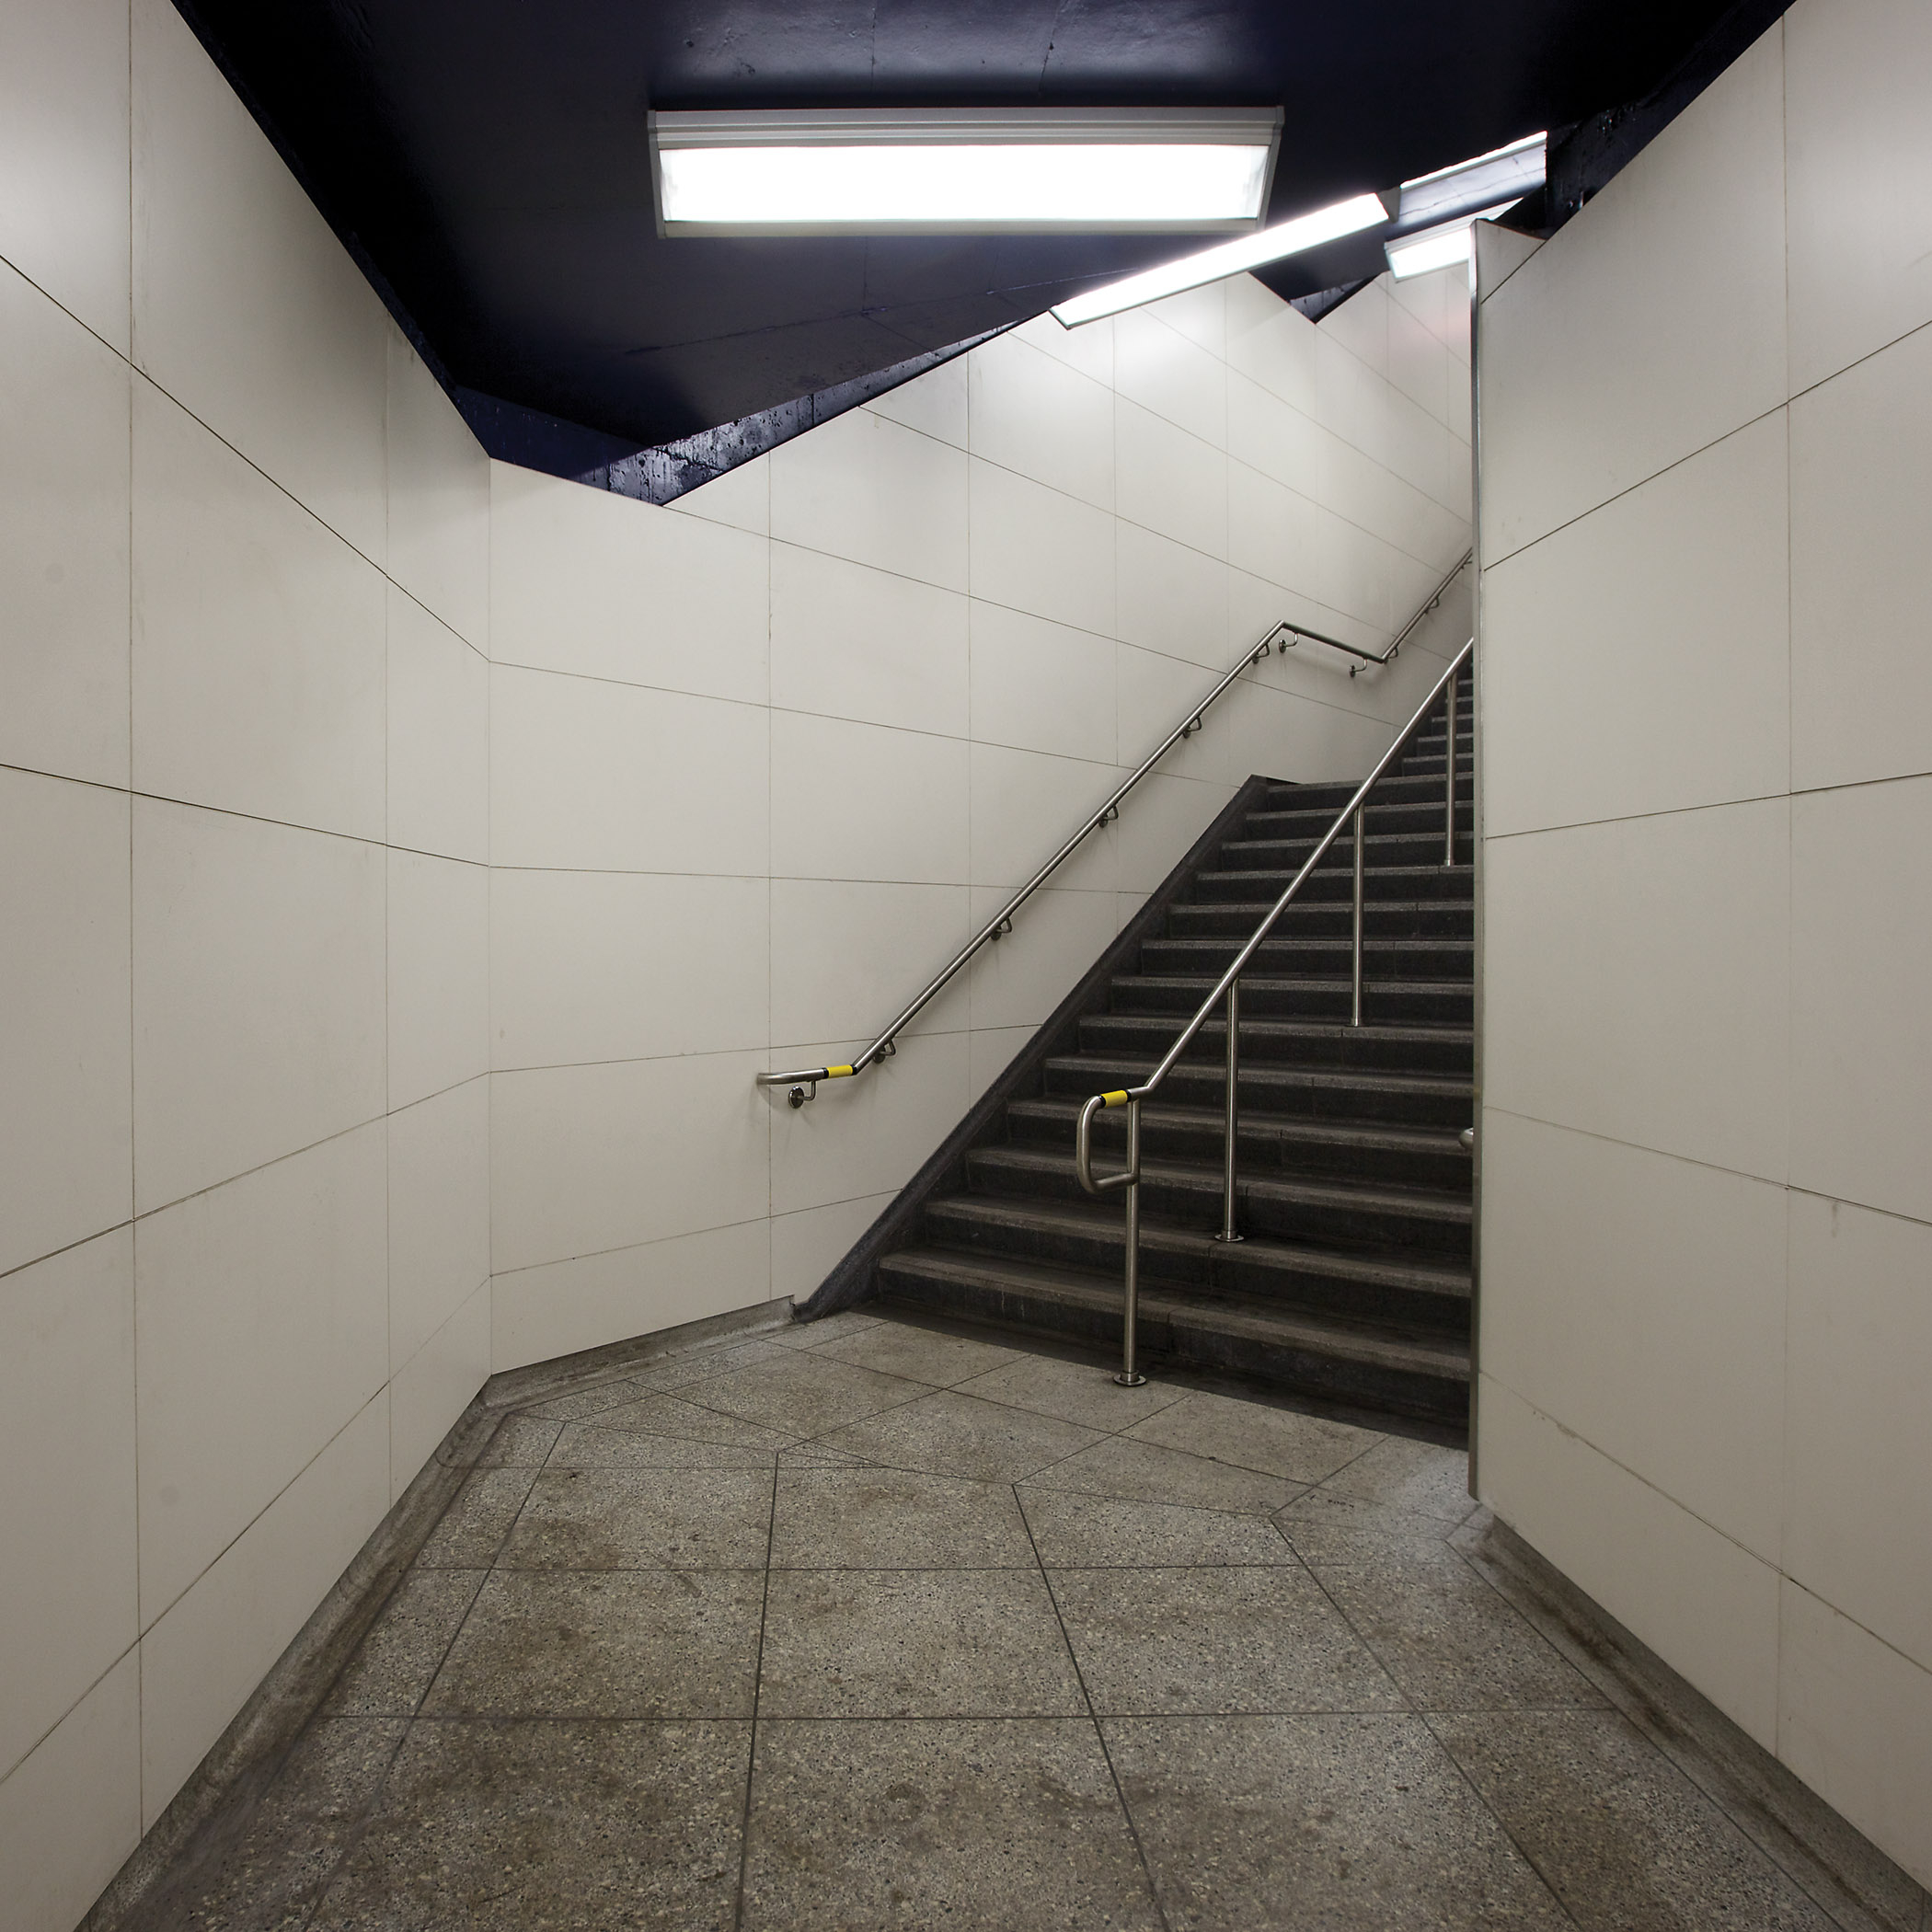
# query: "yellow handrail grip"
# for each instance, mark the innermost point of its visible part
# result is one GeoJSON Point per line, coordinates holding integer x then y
{"type": "Point", "coordinates": [1114, 1099]}
{"type": "Point", "coordinates": [838, 1072]}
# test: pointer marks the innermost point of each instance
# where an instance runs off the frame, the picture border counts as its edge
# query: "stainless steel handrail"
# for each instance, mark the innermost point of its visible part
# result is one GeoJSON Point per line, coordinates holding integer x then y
{"type": "Point", "coordinates": [804, 1081]}
{"type": "Point", "coordinates": [1226, 988]}
{"type": "Point", "coordinates": [1401, 636]}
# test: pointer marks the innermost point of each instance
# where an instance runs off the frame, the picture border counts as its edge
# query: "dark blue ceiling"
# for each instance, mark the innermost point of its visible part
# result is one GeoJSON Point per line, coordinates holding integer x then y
{"type": "Point", "coordinates": [486, 159]}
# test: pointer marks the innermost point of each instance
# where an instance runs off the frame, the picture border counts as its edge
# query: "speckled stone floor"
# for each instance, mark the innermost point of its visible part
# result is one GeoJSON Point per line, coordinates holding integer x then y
{"type": "Point", "coordinates": [863, 1624]}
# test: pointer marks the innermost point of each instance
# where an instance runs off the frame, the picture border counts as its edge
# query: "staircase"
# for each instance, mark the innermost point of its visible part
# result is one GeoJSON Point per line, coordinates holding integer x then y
{"type": "Point", "coordinates": [1353, 1282]}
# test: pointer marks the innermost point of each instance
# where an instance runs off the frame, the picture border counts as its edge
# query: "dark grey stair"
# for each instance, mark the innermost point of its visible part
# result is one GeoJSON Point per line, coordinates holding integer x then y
{"type": "Point", "coordinates": [1352, 1279]}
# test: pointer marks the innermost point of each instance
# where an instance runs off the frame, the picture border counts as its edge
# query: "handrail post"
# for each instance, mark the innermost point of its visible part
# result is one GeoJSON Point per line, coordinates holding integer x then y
{"type": "Point", "coordinates": [1129, 1375]}
{"type": "Point", "coordinates": [1355, 946]}
{"type": "Point", "coordinates": [1228, 1231]}
{"type": "Point", "coordinates": [1449, 765]}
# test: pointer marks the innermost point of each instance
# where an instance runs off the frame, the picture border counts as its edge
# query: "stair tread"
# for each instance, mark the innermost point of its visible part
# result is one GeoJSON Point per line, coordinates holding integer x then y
{"type": "Point", "coordinates": [1286, 1127]}
{"type": "Point", "coordinates": [1033, 1215]}
{"type": "Point", "coordinates": [1389, 1198]}
{"type": "Point", "coordinates": [1282, 1073]}
{"type": "Point", "coordinates": [1365, 1342]}
{"type": "Point", "coordinates": [1422, 1033]}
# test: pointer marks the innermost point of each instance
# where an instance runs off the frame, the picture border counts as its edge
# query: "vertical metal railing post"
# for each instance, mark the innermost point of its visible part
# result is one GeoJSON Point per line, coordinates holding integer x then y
{"type": "Point", "coordinates": [1228, 1231]}
{"type": "Point", "coordinates": [1449, 790]}
{"type": "Point", "coordinates": [1357, 835]}
{"type": "Point", "coordinates": [1129, 1375]}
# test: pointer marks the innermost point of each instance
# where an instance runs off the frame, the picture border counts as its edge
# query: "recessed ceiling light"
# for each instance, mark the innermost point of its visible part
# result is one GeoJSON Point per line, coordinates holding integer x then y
{"type": "Point", "coordinates": [1307, 231]}
{"type": "Point", "coordinates": [961, 170]}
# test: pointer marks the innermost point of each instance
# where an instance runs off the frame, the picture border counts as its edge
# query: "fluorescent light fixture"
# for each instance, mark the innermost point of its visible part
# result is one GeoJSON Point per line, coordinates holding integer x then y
{"type": "Point", "coordinates": [964, 171]}
{"type": "Point", "coordinates": [1307, 231]}
{"type": "Point", "coordinates": [1436, 210]}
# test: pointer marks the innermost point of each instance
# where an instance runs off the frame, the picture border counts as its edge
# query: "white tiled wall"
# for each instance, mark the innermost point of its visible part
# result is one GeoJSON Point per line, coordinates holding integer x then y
{"type": "Point", "coordinates": [1706, 1295]}
{"type": "Point", "coordinates": [764, 760]}
{"type": "Point", "coordinates": [243, 844]}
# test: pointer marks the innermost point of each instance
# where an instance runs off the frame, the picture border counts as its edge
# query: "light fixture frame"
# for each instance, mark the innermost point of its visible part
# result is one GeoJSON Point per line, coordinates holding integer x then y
{"type": "Point", "coordinates": [955, 127]}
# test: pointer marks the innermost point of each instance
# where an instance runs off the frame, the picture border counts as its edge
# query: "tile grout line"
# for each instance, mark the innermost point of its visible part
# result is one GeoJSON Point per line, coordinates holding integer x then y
{"type": "Point", "coordinates": [1041, 1569]}
{"type": "Point", "coordinates": [751, 1756]}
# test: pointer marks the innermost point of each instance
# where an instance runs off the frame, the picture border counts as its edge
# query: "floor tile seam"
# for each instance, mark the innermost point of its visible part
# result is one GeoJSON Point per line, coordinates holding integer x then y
{"type": "Point", "coordinates": [666, 1435]}
{"type": "Point", "coordinates": [1702, 1771]}
{"type": "Point", "coordinates": [1133, 1831]}
{"type": "Point", "coordinates": [1491, 1813]}
{"type": "Point", "coordinates": [1530, 1624]}
{"type": "Point", "coordinates": [751, 1755]}
{"type": "Point", "coordinates": [365, 1819]}
{"type": "Point", "coordinates": [1106, 1496]}
{"type": "Point", "coordinates": [851, 1422]}
{"type": "Point", "coordinates": [1348, 1623]}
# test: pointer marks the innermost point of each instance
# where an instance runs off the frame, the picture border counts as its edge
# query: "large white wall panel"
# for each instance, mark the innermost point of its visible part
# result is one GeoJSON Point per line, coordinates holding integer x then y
{"type": "Point", "coordinates": [201, 1662]}
{"type": "Point", "coordinates": [258, 993]}
{"type": "Point", "coordinates": [610, 778]}
{"type": "Point", "coordinates": [439, 1215]}
{"type": "Point", "coordinates": [263, 1327]}
{"type": "Point", "coordinates": [1640, 656]}
{"type": "Point", "coordinates": [74, 1807]}
{"type": "Point", "coordinates": [1035, 415]}
{"type": "Point", "coordinates": [847, 954]}
{"type": "Point", "coordinates": [66, 1126]}
{"type": "Point", "coordinates": [611, 589]}
{"type": "Point", "coordinates": [259, 639]}
{"type": "Point", "coordinates": [63, 541]}
{"type": "Point", "coordinates": [438, 976]}
{"type": "Point", "coordinates": [68, 1602]}
{"type": "Point", "coordinates": [1639, 982]}
{"type": "Point", "coordinates": [438, 482]}
{"type": "Point", "coordinates": [1704, 1604]}
{"type": "Point", "coordinates": [1857, 179]}
{"type": "Point", "coordinates": [1036, 549]}
{"type": "Point", "coordinates": [64, 156]}
{"type": "Point", "coordinates": [1861, 571]}
{"type": "Point", "coordinates": [246, 310]}
{"type": "Point", "coordinates": [1861, 1034]}
{"type": "Point", "coordinates": [438, 736]}
{"type": "Point", "coordinates": [1642, 1298]}
{"type": "Point", "coordinates": [1646, 378]}
{"type": "Point", "coordinates": [1168, 479]}
{"type": "Point", "coordinates": [609, 965]}
{"type": "Point", "coordinates": [589, 1159]}
{"type": "Point", "coordinates": [867, 645]}
{"type": "Point", "coordinates": [1704, 1300]}
{"type": "Point", "coordinates": [1038, 686]}
{"type": "Point", "coordinates": [1859, 1512]}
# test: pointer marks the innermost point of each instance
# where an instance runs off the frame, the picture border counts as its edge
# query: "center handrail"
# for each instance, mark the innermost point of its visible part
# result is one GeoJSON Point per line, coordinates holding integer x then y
{"type": "Point", "coordinates": [804, 1081]}
{"type": "Point", "coordinates": [1226, 988]}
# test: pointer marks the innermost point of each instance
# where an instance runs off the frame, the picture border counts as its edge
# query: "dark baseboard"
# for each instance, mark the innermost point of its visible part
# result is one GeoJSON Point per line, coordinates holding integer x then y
{"type": "Point", "coordinates": [855, 1278]}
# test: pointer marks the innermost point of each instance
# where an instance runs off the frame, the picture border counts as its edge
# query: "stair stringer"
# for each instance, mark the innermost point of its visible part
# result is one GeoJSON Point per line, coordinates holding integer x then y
{"type": "Point", "coordinates": [855, 1278]}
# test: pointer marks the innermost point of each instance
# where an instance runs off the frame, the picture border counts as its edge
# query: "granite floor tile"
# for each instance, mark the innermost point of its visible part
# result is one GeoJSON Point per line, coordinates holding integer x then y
{"type": "Point", "coordinates": [1144, 1472]}
{"type": "Point", "coordinates": [1419, 1476]}
{"type": "Point", "coordinates": [1103, 1532]}
{"type": "Point", "coordinates": [520, 1442]}
{"type": "Point", "coordinates": [640, 1643]}
{"type": "Point", "coordinates": [1320, 1522]}
{"type": "Point", "coordinates": [585, 1446]}
{"type": "Point", "coordinates": [270, 1876]}
{"type": "Point", "coordinates": [918, 1354]}
{"type": "Point", "coordinates": [1013, 1826]}
{"type": "Point", "coordinates": [914, 1643]}
{"type": "Point", "coordinates": [687, 1420]}
{"type": "Point", "coordinates": [1254, 1435]}
{"type": "Point", "coordinates": [576, 1827]}
{"type": "Point", "coordinates": [863, 1518]}
{"type": "Point", "coordinates": [1074, 1391]}
{"type": "Point", "coordinates": [802, 1394]}
{"type": "Point", "coordinates": [474, 1524]}
{"type": "Point", "coordinates": [829, 1328]}
{"type": "Point", "coordinates": [394, 1664]}
{"type": "Point", "coordinates": [1449, 1642]}
{"type": "Point", "coordinates": [1335, 1822]}
{"type": "Point", "coordinates": [951, 1433]}
{"type": "Point", "coordinates": [1214, 1642]}
{"type": "Point", "coordinates": [579, 1403]}
{"type": "Point", "coordinates": [643, 1519]}
{"type": "Point", "coordinates": [687, 1370]}
{"type": "Point", "coordinates": [1624, 1837]}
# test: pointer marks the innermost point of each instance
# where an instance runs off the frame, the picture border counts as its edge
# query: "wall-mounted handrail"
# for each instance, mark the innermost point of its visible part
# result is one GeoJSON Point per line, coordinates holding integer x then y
{"type": "Point", "coordinates": [804, 1081]}
{"type": "Point", "coordinates": [1226, 988]}
{"type": "Point", "coordinates": [1401, 636]}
